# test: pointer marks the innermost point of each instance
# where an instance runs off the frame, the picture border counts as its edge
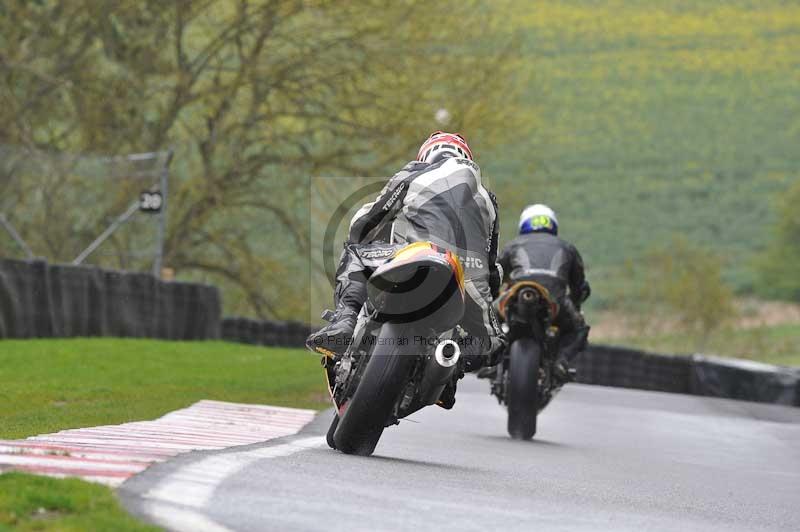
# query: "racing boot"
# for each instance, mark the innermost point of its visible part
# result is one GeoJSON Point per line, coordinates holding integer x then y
{"type": "Point", "coordinates": [494, 359]}
{"type": "Point", "coordinates": [333, 339]}
{"type": "Point", "coordinates": [488, 372]}
{"type": "Point", "coordinates": [563, 372]}
{"type": "Point", "coordinates": [473, 355]}
{"type": "Point", "coordinates": [573, 344]}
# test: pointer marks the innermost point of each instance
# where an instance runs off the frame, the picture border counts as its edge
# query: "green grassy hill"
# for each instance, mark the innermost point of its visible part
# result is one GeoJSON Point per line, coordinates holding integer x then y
{"type": "Point", "coordinates": [657, 118]}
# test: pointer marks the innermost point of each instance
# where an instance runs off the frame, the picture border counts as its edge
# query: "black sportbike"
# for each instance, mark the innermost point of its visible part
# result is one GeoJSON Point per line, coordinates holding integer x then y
{"type": "Point", "coordinates": [524, 379]}
{"type": "Point", "coordinates": [406, 347]}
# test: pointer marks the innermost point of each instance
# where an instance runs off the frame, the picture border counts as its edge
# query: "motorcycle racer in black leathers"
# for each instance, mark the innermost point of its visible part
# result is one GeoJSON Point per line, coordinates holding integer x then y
{"type": "Point", "coordinates": [439, 198]}
{"type": "Point", "coordinates": [539, 255]}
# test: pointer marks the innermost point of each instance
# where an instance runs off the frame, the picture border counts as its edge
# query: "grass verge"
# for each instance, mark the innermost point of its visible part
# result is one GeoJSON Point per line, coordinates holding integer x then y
{"type": "Point", "coordinates": [30, 502]}
{"type": "Point", "coordinates": [779, 344]}
{"type": "Point", "coordinates": [54, 384]}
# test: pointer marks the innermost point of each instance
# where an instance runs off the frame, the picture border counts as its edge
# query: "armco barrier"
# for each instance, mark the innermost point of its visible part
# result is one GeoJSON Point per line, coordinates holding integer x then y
{"type": "Point", "coordinates": [26, 303]}
{"type": "Point", "coordinates": [691, 374]}
{"type": "Point", "coordinates": [265, 332]}
{"type": "Point", "coordinates": [744, 379]}
{"type": "Point", "coordinates": [38, 300]}
{"type": "Point", "coordinates": [631, 368]}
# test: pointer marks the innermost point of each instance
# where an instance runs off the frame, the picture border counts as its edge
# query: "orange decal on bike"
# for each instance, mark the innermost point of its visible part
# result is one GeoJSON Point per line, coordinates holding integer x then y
{"type": "Point", "coordinates": [509, 295]}
{"type": "Point", "coordinates": [412, 250]}
{"type": "Point", "coordinates": [417, 249]}
{"type": "Point", "coordinates": [457, 268]}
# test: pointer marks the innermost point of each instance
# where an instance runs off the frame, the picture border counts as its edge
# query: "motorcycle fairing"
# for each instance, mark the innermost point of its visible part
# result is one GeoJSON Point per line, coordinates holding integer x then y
{"type": "Point", "coordinates": [420, 282]}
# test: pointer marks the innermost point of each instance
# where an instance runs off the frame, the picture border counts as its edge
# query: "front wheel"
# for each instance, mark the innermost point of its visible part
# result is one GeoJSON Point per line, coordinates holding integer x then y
{"type": "Point", "coordinates": [384, 379]}
{"type": "Point", "coordinates": [523, 388]}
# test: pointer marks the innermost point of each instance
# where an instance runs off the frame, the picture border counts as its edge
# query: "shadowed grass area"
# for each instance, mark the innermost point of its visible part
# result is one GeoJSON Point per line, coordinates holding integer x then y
{"type": "Point", "coordinates": [54, 384]}
{"type": "Point", "coordinates": [779, 344]}
{"type": "Point", "coordinates": [29, 502]}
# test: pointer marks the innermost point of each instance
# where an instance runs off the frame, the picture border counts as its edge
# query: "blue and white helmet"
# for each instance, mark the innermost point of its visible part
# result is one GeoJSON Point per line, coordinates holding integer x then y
{"type": "Point", "coordinates": [538, 219]}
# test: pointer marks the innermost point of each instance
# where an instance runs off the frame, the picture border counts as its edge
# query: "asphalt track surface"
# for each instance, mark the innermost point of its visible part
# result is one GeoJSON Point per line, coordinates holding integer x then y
{"type": "Point", "coordinates": [603, 459]}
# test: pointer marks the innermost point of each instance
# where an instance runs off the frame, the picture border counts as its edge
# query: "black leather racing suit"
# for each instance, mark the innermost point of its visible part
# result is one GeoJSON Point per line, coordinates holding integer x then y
{"type": "Point", "coordinates": [445, 203]}
{"type": "Point", "coordinates": [557, 265]}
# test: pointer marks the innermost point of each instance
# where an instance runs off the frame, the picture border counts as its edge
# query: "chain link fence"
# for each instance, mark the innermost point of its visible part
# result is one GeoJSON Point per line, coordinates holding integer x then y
{"type": "Point", "coordinates": [84, 209]}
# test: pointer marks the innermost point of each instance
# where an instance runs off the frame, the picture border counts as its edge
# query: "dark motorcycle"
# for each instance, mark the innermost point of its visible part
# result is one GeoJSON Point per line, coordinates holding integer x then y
{"type": "Point", "coordinates": [405, 348]}
{"type": "Point", "coordinates": [523, 380]}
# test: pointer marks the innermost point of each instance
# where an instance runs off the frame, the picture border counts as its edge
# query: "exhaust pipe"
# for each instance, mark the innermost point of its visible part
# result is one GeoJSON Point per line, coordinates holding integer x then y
{"type": "Point", "coordinates": [438, 371]}
{"type": "Point", "coordinates": [528, 295]}
{"type": "Point", "coordinates": [447, 353]}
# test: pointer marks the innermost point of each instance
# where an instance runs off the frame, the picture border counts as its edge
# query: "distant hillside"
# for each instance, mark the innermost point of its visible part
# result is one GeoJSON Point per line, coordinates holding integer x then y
{"type": "Point", "coordinates": [657, 118]}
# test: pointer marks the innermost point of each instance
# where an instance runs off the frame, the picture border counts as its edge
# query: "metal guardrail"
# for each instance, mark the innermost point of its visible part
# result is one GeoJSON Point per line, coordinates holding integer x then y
{"type": "Point", "coordinates": [41, 300]}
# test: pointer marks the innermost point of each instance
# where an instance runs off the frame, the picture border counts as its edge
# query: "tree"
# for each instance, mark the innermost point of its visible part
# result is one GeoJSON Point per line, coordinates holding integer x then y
{"type": "Point", "coordinates": [685, 282]}
{"type": "Point", "coordinates": [779, 268]}
{"type": "Point", "coordinates": [256, 96]}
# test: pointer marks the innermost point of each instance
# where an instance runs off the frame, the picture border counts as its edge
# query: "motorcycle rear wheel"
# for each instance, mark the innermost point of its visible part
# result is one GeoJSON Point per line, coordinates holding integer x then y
{"type": "Point", "coordinates": [384, 379]}
{"type": "Point", "coordinates": [331, 431]}
{"type": "Point", "coordinates": [523, 388]}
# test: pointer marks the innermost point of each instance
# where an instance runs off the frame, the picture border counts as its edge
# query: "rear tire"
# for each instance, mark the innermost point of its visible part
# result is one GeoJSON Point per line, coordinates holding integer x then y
{"type": "Point", "coordinates": [363, 420]}
{"type": "Point", "coordinates": [523, 388]}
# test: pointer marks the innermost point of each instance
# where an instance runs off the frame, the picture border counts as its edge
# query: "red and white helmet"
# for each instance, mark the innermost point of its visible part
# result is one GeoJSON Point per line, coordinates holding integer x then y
{"type": "Point", "coordinates": [443, 144]}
